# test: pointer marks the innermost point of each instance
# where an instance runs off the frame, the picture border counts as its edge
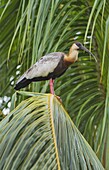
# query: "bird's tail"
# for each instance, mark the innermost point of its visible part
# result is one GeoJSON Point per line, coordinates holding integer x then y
{"type": "Point", "coordinates": [21, 84]}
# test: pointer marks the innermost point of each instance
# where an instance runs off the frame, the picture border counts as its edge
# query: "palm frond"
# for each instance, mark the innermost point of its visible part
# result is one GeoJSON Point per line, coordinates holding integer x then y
{"type": "Point", "coordinates": [2, 116]}
{"type": "Point", "coordinates": [37, 29]}
{"type": "Point", "coordinates": [39, 134]}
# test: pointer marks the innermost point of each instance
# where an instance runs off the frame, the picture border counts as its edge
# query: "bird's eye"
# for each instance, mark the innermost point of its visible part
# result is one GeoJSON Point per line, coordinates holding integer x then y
{"type": "Point", "coordinates": [79, 44]}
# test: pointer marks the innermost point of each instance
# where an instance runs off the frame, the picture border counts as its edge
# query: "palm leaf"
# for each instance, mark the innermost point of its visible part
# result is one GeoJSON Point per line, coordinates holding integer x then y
{"type": "Point", "coordinates": [31, 29]}
{"type": "Point", "coordinates": [39, 134]}
{"type": "Point", "coordinates": [38, 29]}
{"type": "Point", "coordinates": [2, 116]}
{"type": "Point", "coordinates": [84, 88]}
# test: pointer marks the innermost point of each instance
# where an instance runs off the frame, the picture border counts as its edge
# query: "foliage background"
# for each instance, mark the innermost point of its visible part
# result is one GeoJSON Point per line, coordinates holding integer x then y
{"type": "Point", "coordinates": [30, 29]}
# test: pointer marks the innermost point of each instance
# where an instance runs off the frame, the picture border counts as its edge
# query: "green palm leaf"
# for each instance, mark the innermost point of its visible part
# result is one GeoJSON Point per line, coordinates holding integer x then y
{"type": "Point", "coordinates": [2, 116]}
{"type": "Point", "coordinates": [39, 134]}
{"type": "Point", "coordinates": [32, 28]}
{"type": "Point", "coordinates": [39, 28]}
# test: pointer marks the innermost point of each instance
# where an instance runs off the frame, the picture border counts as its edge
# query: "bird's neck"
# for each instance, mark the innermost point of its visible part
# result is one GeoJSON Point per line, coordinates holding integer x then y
{"type": "Point", "coordinates": [72, 56]}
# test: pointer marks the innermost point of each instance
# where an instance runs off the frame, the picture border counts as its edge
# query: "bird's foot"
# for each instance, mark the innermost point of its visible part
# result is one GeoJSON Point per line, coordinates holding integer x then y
{"type": "Point", "coordinates": [58, 97]}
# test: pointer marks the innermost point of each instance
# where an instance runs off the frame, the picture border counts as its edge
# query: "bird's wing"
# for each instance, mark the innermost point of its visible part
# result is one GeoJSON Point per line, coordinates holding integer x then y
{"type": "Point", "coordinates": [43, 67]}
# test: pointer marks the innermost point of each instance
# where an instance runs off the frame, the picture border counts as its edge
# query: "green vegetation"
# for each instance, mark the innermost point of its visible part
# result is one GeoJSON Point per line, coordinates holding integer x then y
{"type": "Point", "coordinates": [31, 28]}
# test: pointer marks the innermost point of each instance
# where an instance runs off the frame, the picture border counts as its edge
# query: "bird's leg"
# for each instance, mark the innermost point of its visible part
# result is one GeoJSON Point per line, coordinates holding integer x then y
{"type": "Point", "coordinates": [51, 86]}
{"type": "Point", "coordinates": [52, 90]}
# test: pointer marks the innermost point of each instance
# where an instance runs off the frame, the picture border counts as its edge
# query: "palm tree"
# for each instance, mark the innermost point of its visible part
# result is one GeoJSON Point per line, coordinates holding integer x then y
{"type": "Point", "coordinates": [32, 28]}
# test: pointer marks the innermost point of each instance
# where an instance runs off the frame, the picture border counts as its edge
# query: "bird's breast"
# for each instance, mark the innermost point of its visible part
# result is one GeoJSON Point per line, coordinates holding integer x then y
{"type": "Point", "coordinates": [68, 61]}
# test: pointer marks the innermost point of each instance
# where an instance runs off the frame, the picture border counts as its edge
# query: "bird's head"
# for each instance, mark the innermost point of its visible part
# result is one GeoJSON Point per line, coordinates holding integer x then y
{"type": "Point", "coordinates": [79, 46]}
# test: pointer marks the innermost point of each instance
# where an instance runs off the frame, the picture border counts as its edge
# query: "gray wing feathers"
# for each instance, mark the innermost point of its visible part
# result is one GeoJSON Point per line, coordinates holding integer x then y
{"type": "Point", "coordinates": [43, 67]}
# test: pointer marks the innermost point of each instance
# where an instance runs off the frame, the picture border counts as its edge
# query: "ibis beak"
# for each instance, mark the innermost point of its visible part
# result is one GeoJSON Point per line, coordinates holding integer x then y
{"type": "Point", "coordinates": [85, 49]}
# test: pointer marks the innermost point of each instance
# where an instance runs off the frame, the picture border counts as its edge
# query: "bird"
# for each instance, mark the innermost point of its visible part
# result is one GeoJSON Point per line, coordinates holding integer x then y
{"type": "Point", "coordinates": [51, 66]}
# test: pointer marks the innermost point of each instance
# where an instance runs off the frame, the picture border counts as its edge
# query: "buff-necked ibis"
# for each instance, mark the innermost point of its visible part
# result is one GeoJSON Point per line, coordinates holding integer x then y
{"type": "Point", "coordinates": [51, 66]}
